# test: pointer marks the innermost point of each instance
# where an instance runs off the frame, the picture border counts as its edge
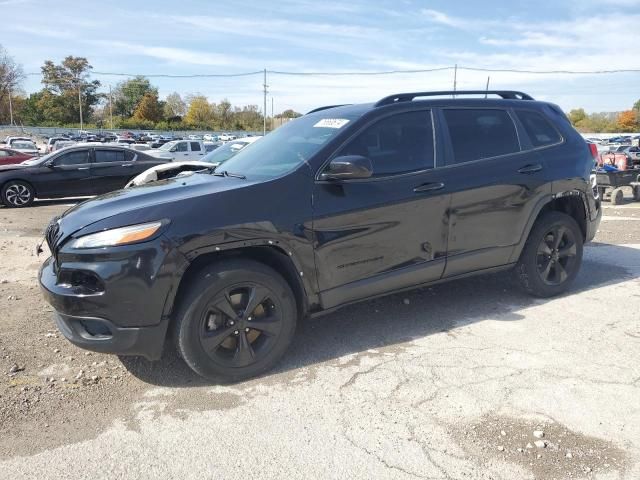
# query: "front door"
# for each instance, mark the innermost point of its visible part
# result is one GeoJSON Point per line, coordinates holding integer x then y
{"type": "Point", "coordinates": [389, 231]}
{"type": "Point", "coordinates": [67, 176]}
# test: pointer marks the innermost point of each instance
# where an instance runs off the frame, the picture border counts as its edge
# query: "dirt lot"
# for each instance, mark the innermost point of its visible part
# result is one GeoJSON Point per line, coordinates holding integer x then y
{"type": "Point", "coordinates": [446, 382]}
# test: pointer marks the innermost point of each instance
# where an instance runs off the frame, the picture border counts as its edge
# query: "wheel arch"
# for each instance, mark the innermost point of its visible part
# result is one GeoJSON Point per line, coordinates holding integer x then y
{"type": "Point", "coordinates": [271, 255]}
{"type": "Point", "coordinates": [572, 203]}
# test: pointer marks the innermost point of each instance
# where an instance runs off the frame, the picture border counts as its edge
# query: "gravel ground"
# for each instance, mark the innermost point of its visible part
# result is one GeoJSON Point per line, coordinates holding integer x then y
{"type": "Point", "coordinates": [456, 381]}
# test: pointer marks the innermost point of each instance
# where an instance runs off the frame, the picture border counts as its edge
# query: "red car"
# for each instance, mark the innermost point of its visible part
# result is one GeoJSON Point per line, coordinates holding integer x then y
{"type": "Point", "coordinates": [10, 157]}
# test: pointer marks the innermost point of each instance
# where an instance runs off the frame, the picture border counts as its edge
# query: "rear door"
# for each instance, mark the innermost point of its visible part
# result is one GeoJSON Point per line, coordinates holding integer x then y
{"type": "Point", "coordinates": [389, 231]}
{"type": "Point", "coordinates": [110, 169]}
{"type": "Point", "coordinates": [68, 175]}
{"type": "Point", "coordinates": [196, 150]}
{"type": "Point", "coordinates": [498, 185]}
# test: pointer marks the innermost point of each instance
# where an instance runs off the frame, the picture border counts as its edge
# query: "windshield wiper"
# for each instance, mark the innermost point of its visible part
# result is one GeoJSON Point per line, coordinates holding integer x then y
{"type": "Point", "coordinates": [224, 173]}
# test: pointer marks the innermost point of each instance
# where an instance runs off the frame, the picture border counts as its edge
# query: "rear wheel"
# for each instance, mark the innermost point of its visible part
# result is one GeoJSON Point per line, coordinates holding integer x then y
{"type": "Point", "coordinates": [235, 320]}
{"type": "Point", "coordinates": [17, 194]}
{"type": "Point", "coordinates": [552, 255]}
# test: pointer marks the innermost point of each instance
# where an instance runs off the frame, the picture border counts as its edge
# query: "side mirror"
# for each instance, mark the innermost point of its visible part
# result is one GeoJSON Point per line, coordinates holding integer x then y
{"type": "Point", "coordinates": [348, 167]}
{"type": "Point", "coordinates": [49, 164]}
{"type": "Point", "coordinates": [173, 149]}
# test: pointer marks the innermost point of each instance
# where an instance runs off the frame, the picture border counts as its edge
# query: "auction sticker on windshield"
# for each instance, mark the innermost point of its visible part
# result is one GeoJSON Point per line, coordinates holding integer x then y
{"type": "Point", "coordinates": [332, 123]}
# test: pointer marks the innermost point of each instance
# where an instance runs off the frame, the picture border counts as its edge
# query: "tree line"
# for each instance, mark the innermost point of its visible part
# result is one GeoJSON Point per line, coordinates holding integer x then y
{"type": "Point", "coordinates": [627, 121]}
{"type": "Point", "coordinates": [69, 92]}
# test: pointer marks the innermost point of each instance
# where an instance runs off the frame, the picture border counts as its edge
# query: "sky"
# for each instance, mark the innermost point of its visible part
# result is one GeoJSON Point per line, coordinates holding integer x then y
{"type": "Point", "coordinates": [202, 37]}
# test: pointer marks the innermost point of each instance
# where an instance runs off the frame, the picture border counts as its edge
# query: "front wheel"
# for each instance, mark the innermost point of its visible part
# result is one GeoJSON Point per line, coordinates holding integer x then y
{"type": "Point", "coordinates": [17, 194]}
{"type": "Point", "coordinates": [552, 255]}
{"type": "Point", "coordinates": [235, 320]}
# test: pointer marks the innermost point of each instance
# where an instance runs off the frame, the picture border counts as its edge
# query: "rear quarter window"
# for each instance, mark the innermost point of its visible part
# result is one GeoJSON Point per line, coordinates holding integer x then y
{"type": "Point", "coordinates": [540, 130]}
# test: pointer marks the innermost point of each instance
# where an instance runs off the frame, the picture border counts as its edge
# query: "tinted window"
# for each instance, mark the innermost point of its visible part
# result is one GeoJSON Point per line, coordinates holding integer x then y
{"type": "Point", "coordinates": [77, 157]}
{"type": "Point", "coordinates": [195, 147]}
{"type": "Point", "coordinates": [539, 129]}
{"type": "Point", "coordinates": [397, 144]}
{"type": "Point", "coordinates": [4, 153]}
{"type": "Point", "coordinates": [109, 156]}
{"type": "Point", "coordinates": [480, 133]}
{"type": "Point", "coordinates": [130, 156]}
{"type": "Point", "coordinates": [182, 147]}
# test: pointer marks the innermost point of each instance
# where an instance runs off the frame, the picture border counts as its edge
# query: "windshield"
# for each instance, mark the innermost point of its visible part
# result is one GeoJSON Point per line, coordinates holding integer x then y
{"type": "Point", "coordinates": [167, 146]}
{"type": "Point", "coordinates": [24, 145]}
{"type": "Point", "coordinates": [288, 146]}
{"type": "Point", "coordinates": [225, 152]}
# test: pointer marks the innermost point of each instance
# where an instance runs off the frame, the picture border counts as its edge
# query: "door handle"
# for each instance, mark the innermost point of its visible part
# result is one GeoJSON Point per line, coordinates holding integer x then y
{"type": "Point", "coordinates": [533, 168]}
{"type": "Point", "coordinates": [83, 168]}
{"type": "Point", "coordinates": [127, 165]}
{"type": "Point", "coordinates": [429, 187]}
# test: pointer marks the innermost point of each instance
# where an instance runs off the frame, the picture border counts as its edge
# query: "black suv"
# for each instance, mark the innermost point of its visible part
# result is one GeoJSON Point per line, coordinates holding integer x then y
{"type": "Point", "coordinates": [343, 204]}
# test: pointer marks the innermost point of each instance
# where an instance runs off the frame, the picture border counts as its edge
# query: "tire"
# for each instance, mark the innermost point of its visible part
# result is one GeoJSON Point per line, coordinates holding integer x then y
{"type": "Point", "coordinates": [17, 194]}
{"type": "Point", "coordinates": [547, 266]}
{"type": "Point", "coordinates": [636, 194]}
{"type": "Point", "coordinates": [219, 335]}
{"type": "Point", "coordinates": [617, 196]}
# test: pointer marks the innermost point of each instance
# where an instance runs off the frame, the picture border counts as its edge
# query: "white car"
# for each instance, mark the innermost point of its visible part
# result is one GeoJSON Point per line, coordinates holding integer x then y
{"type": "Point", "coordinates": [194, 137]}
{"type": "Point", "coordinates": [227, 137]}
{"type": "Point", "coordinates": [60, 144]}
{"type": "Point", "coordinates": [210, 137]}
{"type": "Point", "coordinates": [180, 150]}
{"type": "Point", "coordinates": [25, 146]}
{"type": "Point", "coordinates": [210, 160]}
{"type": "Point", "coordinates": [140, 147]}
{"type": "Point", "coordinates": [52, 141]}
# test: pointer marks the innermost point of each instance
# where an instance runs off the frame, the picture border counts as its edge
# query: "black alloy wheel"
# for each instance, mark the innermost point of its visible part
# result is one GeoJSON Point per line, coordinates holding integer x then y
{"type": "Point", "coordinates": [556, 255]}
{"type": "Point", "coordinates": [235, 319]}
{"type": "Point", "coordinates": [240, 324]}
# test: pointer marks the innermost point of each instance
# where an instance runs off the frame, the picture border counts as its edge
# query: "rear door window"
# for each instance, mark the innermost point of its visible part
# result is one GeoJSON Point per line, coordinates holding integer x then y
{"type": "Point", "coordinates": [480, 133]}
{"type": "Point", "coordinates": [195, 146]}
{"type": "Point", "coordinates": [540, 131]}
{"type": "Point", "coordinates": [182, 147]}
{"type": "Point", "coordinates": [105, 156]}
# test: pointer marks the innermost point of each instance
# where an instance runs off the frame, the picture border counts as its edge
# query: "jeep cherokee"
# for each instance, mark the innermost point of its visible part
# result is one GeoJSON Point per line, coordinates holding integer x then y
{"type": "Point", "coordinates": [343, 204]}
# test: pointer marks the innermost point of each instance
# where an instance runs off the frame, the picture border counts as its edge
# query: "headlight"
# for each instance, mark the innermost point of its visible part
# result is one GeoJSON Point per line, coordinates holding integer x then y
{"type": "Point", "coordinates": [117, 236]}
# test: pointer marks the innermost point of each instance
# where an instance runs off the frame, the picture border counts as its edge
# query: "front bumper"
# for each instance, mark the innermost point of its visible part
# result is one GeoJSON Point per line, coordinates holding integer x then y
{"type": "Point", "coordinates": [114, 300]}
{"type": "Point", "coordinates": [100, 335]}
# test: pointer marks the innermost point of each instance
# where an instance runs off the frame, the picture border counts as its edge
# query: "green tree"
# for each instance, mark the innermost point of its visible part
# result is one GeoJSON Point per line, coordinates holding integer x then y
{"type": "Point", "coordinates": [129, 93]}
{"type": "Point", "coordinates": [148, 109]}
{"type": "Point", "coordinates": [293, 114]}
{"type": "Point", "coordinates": [62, 84]}
{"type": "Point", "coordinates": [576, 116]}
{"type": "Point", "coordinates": [636, 106]}
{"type": "Point", "coordinates": [174, 106]}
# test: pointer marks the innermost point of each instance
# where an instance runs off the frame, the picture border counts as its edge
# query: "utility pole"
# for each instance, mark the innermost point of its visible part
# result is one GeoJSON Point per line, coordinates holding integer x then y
{"type": "Point", "coordinates": [455, 80]}
{"type": "Point", "coordinates": [264, 116]}
{"type": "Point", "coordinates": [272, 117]}
{"type": "Point", "coordinates": [10, 108]}
{"type": "Point", "coordinates": [110, 106]}
{"type": "Point", "coordinates": [80, 100]}
{"type": "Point", "coordinates": [486, 91]}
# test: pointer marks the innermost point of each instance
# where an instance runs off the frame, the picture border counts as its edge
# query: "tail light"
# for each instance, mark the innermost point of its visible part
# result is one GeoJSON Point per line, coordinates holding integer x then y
{"type": "Point", "coordinates": [594, 150]}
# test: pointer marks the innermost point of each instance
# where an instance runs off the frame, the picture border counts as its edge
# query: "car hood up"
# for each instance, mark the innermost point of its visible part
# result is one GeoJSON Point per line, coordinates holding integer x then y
{"type": "Point", "coordinates": [144, 203]}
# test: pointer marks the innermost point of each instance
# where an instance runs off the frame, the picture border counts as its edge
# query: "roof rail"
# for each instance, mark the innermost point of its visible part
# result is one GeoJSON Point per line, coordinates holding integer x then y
{"type": "Point", "coordinates": [319, 109]}
{"type": "Point", "coordinates": [407, 97]}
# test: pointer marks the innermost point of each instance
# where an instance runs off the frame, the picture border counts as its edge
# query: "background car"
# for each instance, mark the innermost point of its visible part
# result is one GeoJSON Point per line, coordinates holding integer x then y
{"type": "Point", "coordinates": [10, 157]}
{"type": "Point", "coordinates": [77, 171]}
{"type": "Point", "coordinates": [60, 144]}
{"type": "Point", "coordinates": [52, 141]}
{"type": "Point", "coordinates": [25, 146]}
{"type": "Point", "coordinates": [212, 159]}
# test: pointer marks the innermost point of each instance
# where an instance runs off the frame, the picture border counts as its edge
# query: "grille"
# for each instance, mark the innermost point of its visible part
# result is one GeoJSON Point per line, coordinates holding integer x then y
{"type": "Point", "coordinates": [51, 234]}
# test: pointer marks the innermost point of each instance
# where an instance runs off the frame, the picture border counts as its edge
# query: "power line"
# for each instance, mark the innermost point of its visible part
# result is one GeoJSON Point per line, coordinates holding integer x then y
{"type": "Point", "coordinates": [365, 73]}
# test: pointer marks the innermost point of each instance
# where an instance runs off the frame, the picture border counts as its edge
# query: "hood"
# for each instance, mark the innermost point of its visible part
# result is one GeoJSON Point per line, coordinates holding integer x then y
{"type": "Point", "coordinates": [159, 153]}
{"type": "Point", "coordinates": [13, 166]}
{"type": "Point", "coordinates": [144, 203]}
